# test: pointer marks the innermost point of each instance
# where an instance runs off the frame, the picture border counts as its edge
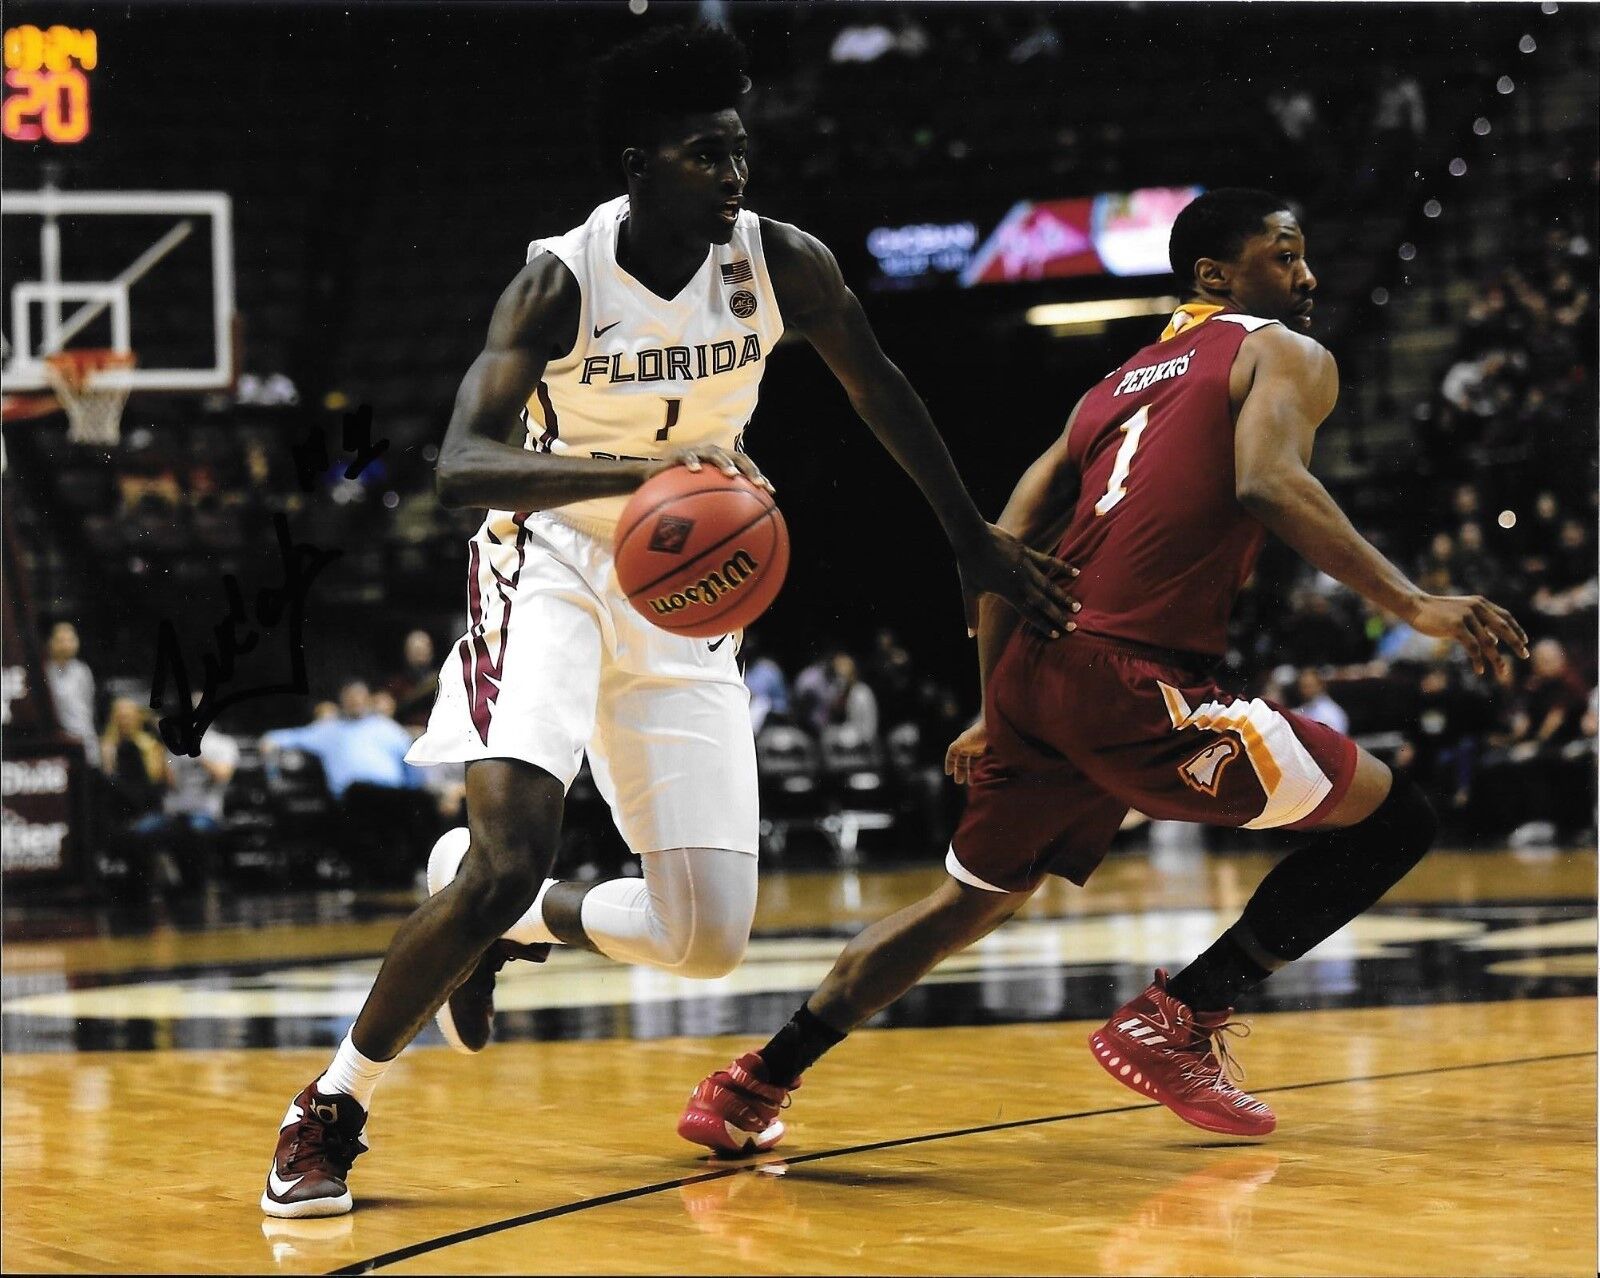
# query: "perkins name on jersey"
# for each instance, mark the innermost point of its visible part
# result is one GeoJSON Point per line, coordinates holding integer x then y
{"type": "Point", "coordinates": [672, 363]}
{"type": "Point", "coordinates": [1137, 379]}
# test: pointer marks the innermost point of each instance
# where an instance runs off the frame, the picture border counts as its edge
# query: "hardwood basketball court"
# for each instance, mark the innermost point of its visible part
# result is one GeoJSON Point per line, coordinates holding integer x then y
{"type": "Point", "coordinates": [1432, 1067]}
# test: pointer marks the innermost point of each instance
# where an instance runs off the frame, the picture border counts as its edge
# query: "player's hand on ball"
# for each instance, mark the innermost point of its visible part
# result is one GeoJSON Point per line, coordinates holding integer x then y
{"type": "Point", "coordinates": [1029, 580]}
{"type": "Point", "coordinates": [694, 456]}
{"type": "Point", "coordinates": [964, 752]}
{"type": "Point", "coordinates": [1477, 624]}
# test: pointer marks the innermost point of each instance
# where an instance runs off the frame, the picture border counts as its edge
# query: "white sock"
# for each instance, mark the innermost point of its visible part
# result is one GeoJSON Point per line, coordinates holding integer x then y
{"type": "Point", "coordinates": [353, 1074]}
{"type": "Point", "coordinates": [531, 929]}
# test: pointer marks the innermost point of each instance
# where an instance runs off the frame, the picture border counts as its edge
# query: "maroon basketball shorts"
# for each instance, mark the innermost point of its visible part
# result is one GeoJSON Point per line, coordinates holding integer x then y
{"type": "Point", "coordinates": [1083, 728]}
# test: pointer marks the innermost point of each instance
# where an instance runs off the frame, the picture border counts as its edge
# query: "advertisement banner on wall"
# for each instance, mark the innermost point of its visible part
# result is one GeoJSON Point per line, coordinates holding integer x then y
{"type": "Point", "coordinates": [1114, 233]}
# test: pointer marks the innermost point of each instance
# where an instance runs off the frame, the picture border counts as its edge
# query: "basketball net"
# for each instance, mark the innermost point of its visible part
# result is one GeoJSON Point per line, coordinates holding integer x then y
{"type": "Point", "coordinates": [94, 409]}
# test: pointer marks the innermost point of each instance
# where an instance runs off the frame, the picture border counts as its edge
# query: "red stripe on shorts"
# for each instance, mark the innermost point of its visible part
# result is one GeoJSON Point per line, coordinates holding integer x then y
{"type": "Point", "coordinates": [481, 672]}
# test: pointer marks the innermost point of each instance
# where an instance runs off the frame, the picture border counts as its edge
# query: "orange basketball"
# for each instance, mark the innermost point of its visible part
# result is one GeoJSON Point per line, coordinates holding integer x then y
{"type": "Point", "coordinates": [700, 553]}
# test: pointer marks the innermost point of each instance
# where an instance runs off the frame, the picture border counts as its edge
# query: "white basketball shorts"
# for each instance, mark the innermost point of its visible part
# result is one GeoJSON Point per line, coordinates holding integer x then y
{"type": "Point", "coordinates": [556, 662]}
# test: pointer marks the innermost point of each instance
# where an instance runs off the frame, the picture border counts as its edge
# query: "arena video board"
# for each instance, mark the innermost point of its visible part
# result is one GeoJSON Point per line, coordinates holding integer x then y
{"type": "Point", "coordinates": [1114, 233]}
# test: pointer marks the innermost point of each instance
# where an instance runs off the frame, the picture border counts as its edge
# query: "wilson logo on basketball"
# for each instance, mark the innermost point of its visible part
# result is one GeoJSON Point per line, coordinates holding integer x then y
{"type": "Point", "coordinates": [1204, 771]}
{"type": "Point", "coordinates": [710, 588]}
{"type": "Point", "coordinates": [670, 534]}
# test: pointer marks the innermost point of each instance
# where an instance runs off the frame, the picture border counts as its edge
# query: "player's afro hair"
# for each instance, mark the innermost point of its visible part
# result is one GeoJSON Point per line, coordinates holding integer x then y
{"type": "Point", "coordinates": [1216, 225]}
{"type": "Point", "coordinates": [668, 71]}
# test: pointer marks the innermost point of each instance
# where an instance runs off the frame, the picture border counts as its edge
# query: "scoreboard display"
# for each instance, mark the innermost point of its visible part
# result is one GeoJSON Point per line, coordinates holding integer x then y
{"type": "Point", "coordinates": [47, 90]}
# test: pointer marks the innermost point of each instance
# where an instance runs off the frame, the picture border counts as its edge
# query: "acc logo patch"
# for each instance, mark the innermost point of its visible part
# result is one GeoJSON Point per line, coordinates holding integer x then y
{"type": "Point", "coordinates": [743, 303]}
{"type": "Point", "coordinates": [1204, 771]}
{"type": "Point", "coordinates": [670, 534]}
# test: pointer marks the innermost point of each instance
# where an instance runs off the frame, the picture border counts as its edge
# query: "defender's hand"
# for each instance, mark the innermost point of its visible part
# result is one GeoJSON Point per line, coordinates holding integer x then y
{"type": "Point", "coordinates": [1477, 624]}
{"type": "Point", "coordinates": [964, 752]}
{"type": "Point", "coordinates": [1027, 579]}
{"type": "Point", "coordinates": [729, 463]}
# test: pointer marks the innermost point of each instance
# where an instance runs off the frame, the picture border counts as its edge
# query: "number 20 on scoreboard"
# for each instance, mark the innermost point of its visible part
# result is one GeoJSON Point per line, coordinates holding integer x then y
{"type": "Point", "coordinates": [47, 93]}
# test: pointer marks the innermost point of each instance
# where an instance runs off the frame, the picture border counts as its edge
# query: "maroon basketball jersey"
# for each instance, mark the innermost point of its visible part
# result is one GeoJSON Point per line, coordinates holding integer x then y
{"type": "Point", "coordinates": [1160, 541]}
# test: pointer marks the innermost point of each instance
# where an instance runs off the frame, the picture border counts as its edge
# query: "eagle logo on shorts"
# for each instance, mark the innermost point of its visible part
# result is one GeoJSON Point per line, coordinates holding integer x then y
{"type": "Point", "coordinates": [670, 534]}
{"type": "Point", "coordinates": [1204, 771]}
{"type": "Point", "coordinates": [743, 303]}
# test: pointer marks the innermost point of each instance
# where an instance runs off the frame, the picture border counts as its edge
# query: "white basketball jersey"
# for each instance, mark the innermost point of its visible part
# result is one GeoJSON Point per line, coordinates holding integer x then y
{"type": "Point", "coordinates": [648, 373]}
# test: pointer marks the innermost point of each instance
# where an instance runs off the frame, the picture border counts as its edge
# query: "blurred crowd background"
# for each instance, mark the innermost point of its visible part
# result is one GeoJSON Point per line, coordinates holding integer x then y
{"type": "Point", "coordinates": [1447, 172]}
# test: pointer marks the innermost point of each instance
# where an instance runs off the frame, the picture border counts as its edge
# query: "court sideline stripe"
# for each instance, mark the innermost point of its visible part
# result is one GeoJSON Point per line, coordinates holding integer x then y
{"type": "Point", "coordinates": [642, 1191]}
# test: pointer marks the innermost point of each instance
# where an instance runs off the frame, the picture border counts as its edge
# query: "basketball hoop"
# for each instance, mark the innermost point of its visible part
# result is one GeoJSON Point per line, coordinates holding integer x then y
{"type": "Point", "coordinates": [94, 408]}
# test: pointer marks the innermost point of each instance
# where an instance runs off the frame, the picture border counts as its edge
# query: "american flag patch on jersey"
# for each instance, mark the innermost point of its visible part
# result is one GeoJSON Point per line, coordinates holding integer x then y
{"type": "Point", "coordinates": [737, 272]}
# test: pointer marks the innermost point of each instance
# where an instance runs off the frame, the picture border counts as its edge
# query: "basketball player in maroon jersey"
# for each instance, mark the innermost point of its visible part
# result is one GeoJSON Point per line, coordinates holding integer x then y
{"type": "Point", "coordinates": [1166, 480]}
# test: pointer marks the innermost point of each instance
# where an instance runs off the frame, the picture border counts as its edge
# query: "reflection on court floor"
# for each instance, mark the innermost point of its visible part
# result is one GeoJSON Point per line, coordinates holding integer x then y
{"type": "Point", "coordinates": [1032, 970]}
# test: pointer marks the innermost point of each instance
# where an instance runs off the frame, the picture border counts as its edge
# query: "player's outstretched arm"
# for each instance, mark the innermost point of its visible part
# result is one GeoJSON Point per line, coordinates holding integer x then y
{"type": "Point", "coordinates": [1037, 513]}
{"type": "Point", "coordinates": [1293, 383]}
{"type": "Point", "coordinates": [817, 304]}
{"type": "Point", "coordinates": [535, 320]}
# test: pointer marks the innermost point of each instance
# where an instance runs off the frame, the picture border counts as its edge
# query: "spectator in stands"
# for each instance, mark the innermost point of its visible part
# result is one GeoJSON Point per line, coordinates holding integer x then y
{"type": "Point", "coordinates": [1440, 559]}
{"type": "Point", "coordinates": [189, 826]}
{"type": "Point", "coordinates": [893, 679]}
{"type": "Point", "coordinates": [1466, 502]}
{"type": "Point", "coordinates": [1475, 563]}
{"type": "Point", "coordinates": [356, 746]}
{"type": "Point", "coordinates": [1526, 784]}
{"type": "Point", "coordinates": [769, 690]}
{"type": "Point", "coordinates": [1295, 111]}
{"type": "Point", "coordinates": [1570, 564]}
{"type": "Point", "coordinates": [1315, 703]}
{"type": "Point", "coordinates": [1444, 739]}
{"type": "Point", "coordinates": [854, 703]}
{"type": "Point", "coordinates": [71, 689]}
{"type": "Point", "coordinates": [132, 755]}
{"type": "Point", "coordinates": [134, 763]}
{"type": "Point", "coordinates": [415, 685]}
{"type": "Point", "coordinates": [1313, 634]}
{"type": "Point", "coordinates": [1475, 385]}
{"type": "Point", "coordinates": [1539, 539]}
{"type": "Point", "coordinates": [386, 818]}
{"type": "Point", "coordinates": [830, 691]}
{"type": "Point", "coordinates": [147, 478]}
{"type": "Point", "coordinates": [1553, 701]}
{"type": "Point", "coordinates": [813, 692]}
{"type": "Point", "coordinates": [1400, 115]}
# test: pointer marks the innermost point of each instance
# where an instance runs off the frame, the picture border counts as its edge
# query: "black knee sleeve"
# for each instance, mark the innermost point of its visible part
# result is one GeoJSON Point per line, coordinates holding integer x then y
{"type": "Point", "coordinates": [1317, 889]}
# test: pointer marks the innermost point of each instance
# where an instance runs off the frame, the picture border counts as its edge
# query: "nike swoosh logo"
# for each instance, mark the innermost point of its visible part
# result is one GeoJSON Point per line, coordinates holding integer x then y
{"type": "Point", "coordinates": [294, 1115]}
{"type": "Point", "coordinates": [718, 644]}
{"type": "Point", "coordinates": [281, 1187]}
{"type": "Point", "coordinates": [601, 332]}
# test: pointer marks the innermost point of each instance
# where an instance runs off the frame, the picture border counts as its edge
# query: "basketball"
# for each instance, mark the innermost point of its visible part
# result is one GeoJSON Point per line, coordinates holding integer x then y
{"type": "Point", "coordinates": [701, 553]}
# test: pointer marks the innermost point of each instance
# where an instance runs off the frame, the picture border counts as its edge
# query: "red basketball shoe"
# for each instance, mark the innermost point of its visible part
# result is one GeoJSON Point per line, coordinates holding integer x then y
{"type": "Point", "coordinates": [318, 1140]}
{"type": "Point", "coordinates": [467, 1018]}
{"type": "Point", "coordinates": [1164, 1049]}
{"type": "Point", "coordinates": [735, 1111]}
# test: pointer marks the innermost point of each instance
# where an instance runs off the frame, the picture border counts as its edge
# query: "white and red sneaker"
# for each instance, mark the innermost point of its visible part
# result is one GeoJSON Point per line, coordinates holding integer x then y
{"type": "Point", "coordinates": [318, 1140]}
{"type": "Point", "coordinates": [467, 1018]}
{"type": "Point", "coordinates": [735, 1110]}
{"type": "Point", "coordinates": [1162, 1048]}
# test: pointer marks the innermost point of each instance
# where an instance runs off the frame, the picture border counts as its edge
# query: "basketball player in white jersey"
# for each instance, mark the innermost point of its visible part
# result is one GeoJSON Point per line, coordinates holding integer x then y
{"type": "Point", "coordinates": [631, 344]}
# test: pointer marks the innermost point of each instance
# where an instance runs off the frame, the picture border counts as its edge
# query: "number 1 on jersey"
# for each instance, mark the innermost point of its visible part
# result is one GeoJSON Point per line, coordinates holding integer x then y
{"type": "Point", "coordinates": [1116, 489]}
{"type": "Point", "coordinates": [672, 418]}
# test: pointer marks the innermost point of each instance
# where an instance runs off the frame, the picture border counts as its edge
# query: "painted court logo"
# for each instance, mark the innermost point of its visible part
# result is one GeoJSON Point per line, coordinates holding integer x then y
{"type": "Point", "coordinates": [1204, 771]}
{"type": "Point", "coordinates": [713, 586]}
{"type": "Point", "coordinates": [670, 534]}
